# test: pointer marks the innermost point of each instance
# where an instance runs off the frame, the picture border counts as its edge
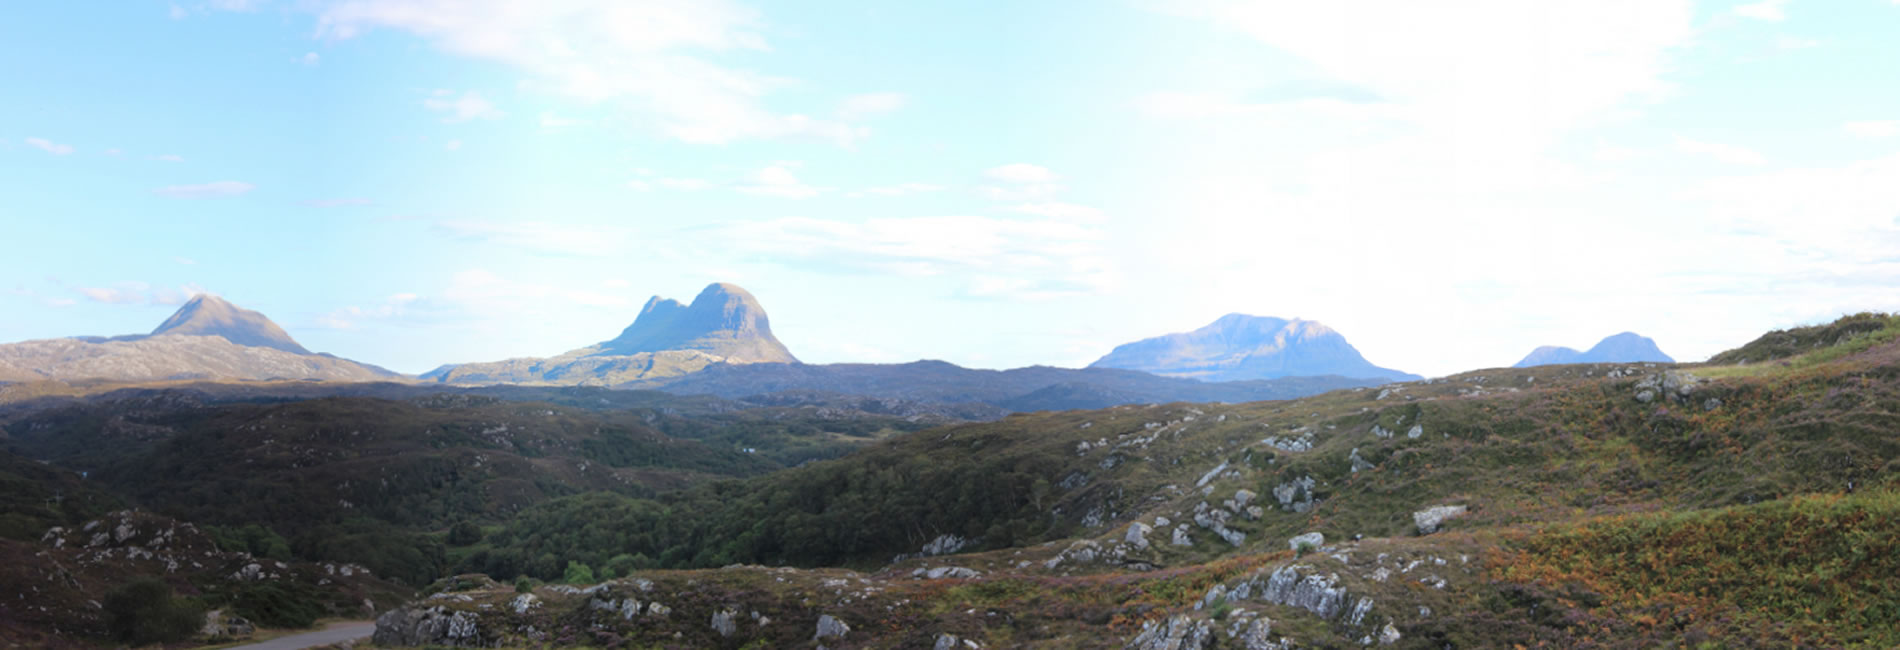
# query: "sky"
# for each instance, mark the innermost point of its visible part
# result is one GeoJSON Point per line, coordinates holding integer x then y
{"type": "Point", "coordinates": [995, 184]}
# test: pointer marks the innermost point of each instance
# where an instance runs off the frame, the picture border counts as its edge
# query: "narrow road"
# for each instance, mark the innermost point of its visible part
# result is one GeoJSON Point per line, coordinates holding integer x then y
{"type": "Point", "coordinates": [335, 633]}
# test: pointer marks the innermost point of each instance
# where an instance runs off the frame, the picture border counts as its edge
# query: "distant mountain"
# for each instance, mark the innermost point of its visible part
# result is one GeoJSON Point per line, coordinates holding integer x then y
{"type": "Point", "coordinates": [1036, 388]}
{"type": "Point", "coordinates": [1240, 347]}
{"type": "Point", "coordinates": [724, 324]}
{"type": "Point", "coordinates": [1627, 347]}
{"type": "Point", "coordinates": [206, 338]}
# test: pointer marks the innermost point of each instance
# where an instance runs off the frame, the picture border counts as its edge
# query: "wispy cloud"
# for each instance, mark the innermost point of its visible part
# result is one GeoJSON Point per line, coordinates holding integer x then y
{"type": "Point", "coordinates": [49, 146]}
{"type": "Point", "coordinates": [1872, 128]}
{"type": "Point", "coordinates": [900, 189]}
{"type": "Point", "coordinates": [469, 106]}
{"type": "Point", "coordinates": [857, 107]}
{"type": "Point", "coordinates": [169, 157]}
{"type": "Point", "coordinates": [1770, 10]}
{"type": "Point", "coordinates": [140, 293]}
{"type": "Point", "coordinates": [649, 58]}
{"type": "Point", "coordinates": [542, 237]}
{"type": "Point", "coordinates": [1728, 153]}
{"type": "Point", "coordinates": [1021, 173]}
{"type": "Point", "coordinates": [335, 203]}
{"type": "Point", "coordinates": [310, 58]}
{"type": "Point", "coordinates": [212, 190]}
{"type": "Point", "coordinates": [996, 258]}
{"type": "Point", "coordinates": [777, 180]}
{"type": "Point", "coordinates": [351, 316]}
{"type": "Point", "coordinates": [1059, 210]}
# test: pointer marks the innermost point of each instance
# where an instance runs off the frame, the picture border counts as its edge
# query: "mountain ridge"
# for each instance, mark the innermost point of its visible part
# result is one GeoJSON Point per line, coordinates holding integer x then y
{"type": "Point", "coordinates": [1242, 346]}
{"type": "Point", "coordinates": [1624, 347]}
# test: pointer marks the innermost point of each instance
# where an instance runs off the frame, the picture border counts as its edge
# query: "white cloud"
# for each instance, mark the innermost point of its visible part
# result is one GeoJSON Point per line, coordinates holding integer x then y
{"type": "Point", "coordinates": [310, 58]}
{"type": "Point", "coordinates": [1771, 10]}
{"type": "Point", "coordinates": [551, 121]}
{"type": "Point", "coordinates": [1475, 71]}
{"type": "Point", "coordinates": [1606, 152]}
{"type": "Point", "coordinates": [1021, 173]}
{"type": "Point", "coordinates": [686, 184]}
{"type": "Point", "coordinates": [177, 13]}
{"type": "Point", "coordinates": [452, 145]}
{"type": "Point", "coordinates": [115, 152]}
{"type": "Point", "coordinates": [335, 203]}
{"type": "Point", "coordinates": [870, 104]}
{"type": "Point", "coordinates": [1728, 153]}
{"type": "Point", "coordinates": [140, 293]}
{"type": "Point", "coordinates": [1059, 210]}
{"type": "Point", "coordinates": [485, 292]}
{"type": "Point", "coordinates": [542, 237]}
{"type": "Point", "coordinates": [470, 106]}
{"type": "Point", "coordinates": [49, 146]}
{"type": "Point", "coordinates": [998, 258]}
{"type": "Point", "coordinates": [777, 181]}
{"type": "Point", "coordinates": [901, 189]}
{"type": "Point", "coordinates": [212, 190]}
{"type": "Point", "coordinates": [639, 185]}
{"type": "Point", "coordinates": [1873, 128]}
{"type": "Point", "coordinates": [349, 317]}
{"type": "Point", "coordinates": [1785, 42]}
{"type": "Point", "coordinates": [171, 158]}
{"type": "Point", "coordinates": [650, 57]}
{"type": "Point", "coordinates": [185, 261]}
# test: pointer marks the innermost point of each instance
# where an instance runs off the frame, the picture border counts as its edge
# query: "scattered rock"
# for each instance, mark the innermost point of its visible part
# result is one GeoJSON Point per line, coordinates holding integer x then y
{"type": "Point", "coordinates": [1314, 540]}
{"type": "Point", "coordinates": [723, 624]}
{"type": "Point", "coordinates": [1138, 535]}
{"type": "Point", "coordinates": [1179, 632]}
{"type": "Point", "coordinates": [1429, 519]}
{"type": "Point", "coordinates": [830, 628]}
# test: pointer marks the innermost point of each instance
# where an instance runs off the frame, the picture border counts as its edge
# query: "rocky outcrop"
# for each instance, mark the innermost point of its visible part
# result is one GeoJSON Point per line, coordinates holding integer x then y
{"type": "Point", "coordinates": [1428, 520]}
{"type": "Point", "coordinates": [1178, 632]}
{"type": "Point", "coordinates": [429, 626]}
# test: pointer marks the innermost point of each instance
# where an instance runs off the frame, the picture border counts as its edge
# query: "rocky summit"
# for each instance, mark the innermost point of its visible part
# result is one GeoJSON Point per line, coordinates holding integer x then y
{"type": "Point", "coordinates": [724, 324]}
{"type": "Point", "coordinates": [723, 320]}
{"type": "Point", "coordinates": [207, 338]}
{"type": "Point", "coordinates": [1239, 347]}
{"type": "Point", "coordinates": [1628, 347]}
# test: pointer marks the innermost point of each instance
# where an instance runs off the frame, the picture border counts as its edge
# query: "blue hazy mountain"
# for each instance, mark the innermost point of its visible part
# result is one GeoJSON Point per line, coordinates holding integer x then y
{"type": "Point", "coordinates": [1621, 348]}
{"type": "Point", "coordinates": [1239, 347]}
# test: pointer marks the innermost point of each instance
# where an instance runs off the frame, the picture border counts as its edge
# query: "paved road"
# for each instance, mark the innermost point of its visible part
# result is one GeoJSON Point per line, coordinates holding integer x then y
{"type": "Point", "coordinates": [335, 633]}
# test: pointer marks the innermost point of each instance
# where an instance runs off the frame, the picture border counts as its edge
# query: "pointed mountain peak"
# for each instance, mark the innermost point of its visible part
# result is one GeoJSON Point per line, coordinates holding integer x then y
{"type": "Point", "coordinates": [210, 315]}
{"type": "Point", "coordinates": [723, 319]}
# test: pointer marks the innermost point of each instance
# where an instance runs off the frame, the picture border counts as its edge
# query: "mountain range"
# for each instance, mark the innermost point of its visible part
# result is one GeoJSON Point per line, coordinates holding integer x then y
{"type": "Point", "coordinates": [207, 338]}
{"type": "Point", "coordinates": [1627, 347]}
{"type": "Point", "coordinates": [1239, 347]}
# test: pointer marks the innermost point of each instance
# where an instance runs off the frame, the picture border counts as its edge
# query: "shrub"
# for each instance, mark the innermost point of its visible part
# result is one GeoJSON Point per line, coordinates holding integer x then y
{"type": "Point", "coordinates": [278, 604]}
{"type": "Point", "coordinates": [464, 533]}
{"type": "Point", "coordinates": [143, 612]}
{"type": "Point", "coordinates": [578, 574]}
{"type": "Point", "coordinates": [523, 585]}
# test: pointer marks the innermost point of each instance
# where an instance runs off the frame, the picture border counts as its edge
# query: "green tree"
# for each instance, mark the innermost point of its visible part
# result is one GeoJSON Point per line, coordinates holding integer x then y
{"type": "Point", "coordinates": [578, 574]}
{"type": "Point", "coordinates": [143, 612]}
{"type": "Point", "coordinates": [464, 533]}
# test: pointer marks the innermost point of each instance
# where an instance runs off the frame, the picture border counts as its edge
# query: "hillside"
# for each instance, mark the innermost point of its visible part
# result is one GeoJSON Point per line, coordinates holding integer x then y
{"type": "Point", "coordinates": [207, 338]}
{"type": "Point", "coordinates": [1482, 509]}
{"type": "Point", "coordinates": [1238, 347]}
{"type": "Point", "coordinates": [1036, 388]}
{"type": "Point", "coordinates": [1628, 347]}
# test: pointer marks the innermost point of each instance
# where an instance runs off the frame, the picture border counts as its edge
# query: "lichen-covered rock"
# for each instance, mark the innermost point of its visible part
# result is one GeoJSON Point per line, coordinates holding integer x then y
{"type": "Point", "coordinates": [1429, 519]}
{"type": "Point", "coordinates": [413, 626]}
{"type": "Point", "coordinates": [1179, 632]}
{"type": "Point", "coordinates": [1181, 537]}
{"type": "Point", "coordinates": [221, 626]}
{"type": "Point", "coordinates": [1314, 540]}
{"type": "Point", "coordinates": [1138, 535]}
{"type": "Point", "coordinates": [1296, 495]}
{"type": "Point", "coordinates": [1315, 593]}
{"type": "Point", "coordinates": [830, 628]}
{"type": "Point", "coordinates": [722, 622]}
{"type": "Point", "coordinates": [1388, 635]}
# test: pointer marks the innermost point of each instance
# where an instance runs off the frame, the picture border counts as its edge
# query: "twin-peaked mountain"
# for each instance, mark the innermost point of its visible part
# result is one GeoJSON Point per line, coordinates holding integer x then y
{"type": "Point", "coordinates": [207, 338]}
{"type": "Point", "coordinates": [723, 324]}
{"type": "Point", "coordinates": [1240, 347]}
{"type": "Point", "coordinates": [1628, 347]}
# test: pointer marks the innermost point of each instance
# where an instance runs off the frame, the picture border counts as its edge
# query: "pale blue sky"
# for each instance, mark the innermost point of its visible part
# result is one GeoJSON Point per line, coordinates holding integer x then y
{"type": "Point", "coordinates": [997, 184]}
